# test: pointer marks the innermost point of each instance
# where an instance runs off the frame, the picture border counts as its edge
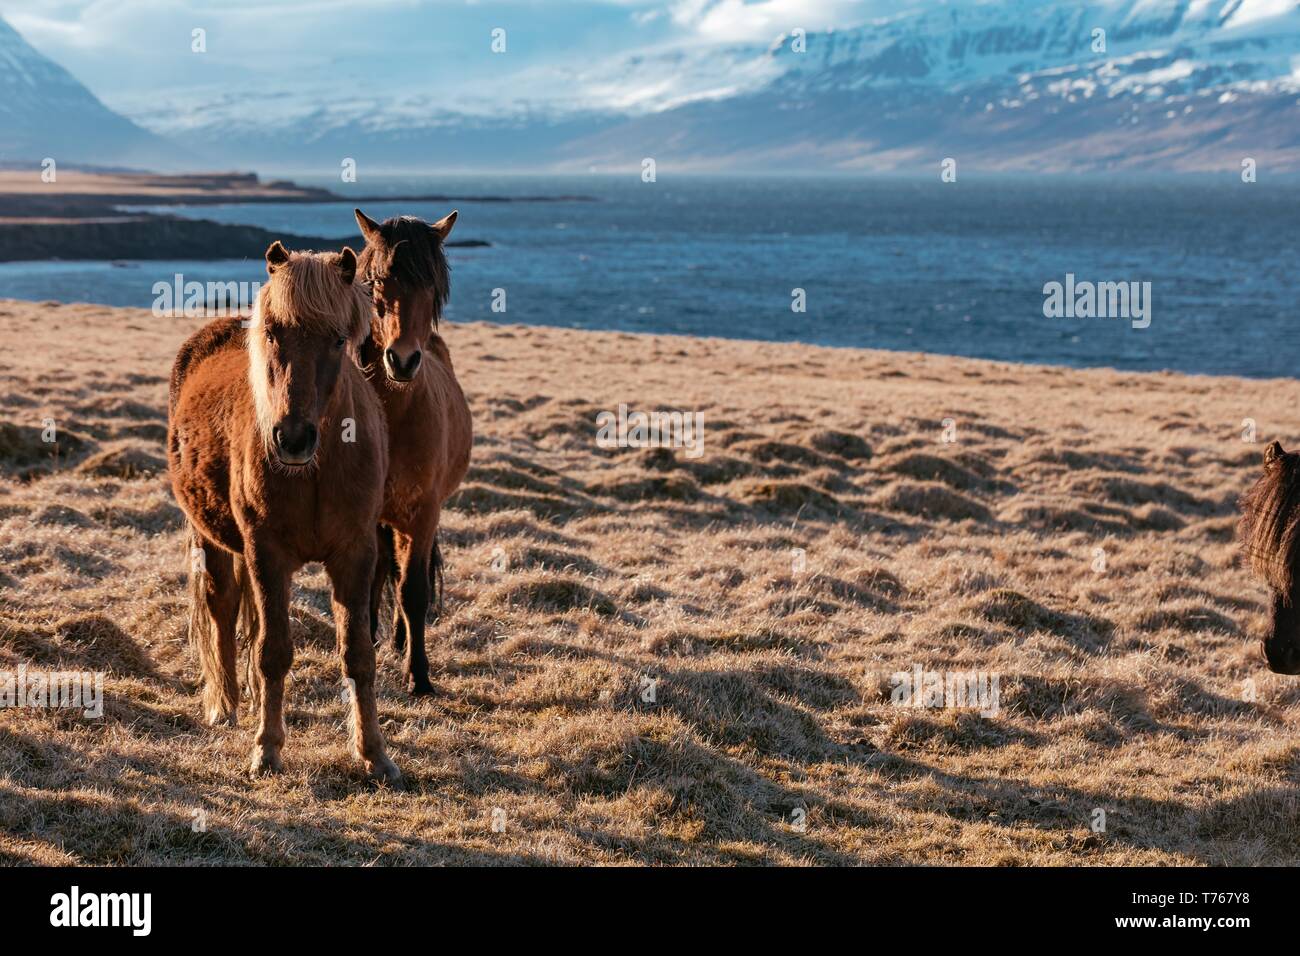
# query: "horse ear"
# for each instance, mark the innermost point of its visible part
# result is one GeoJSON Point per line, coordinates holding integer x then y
{"type": "Point", "coordinates": [369, 228]}
{"type": "Point", "coordinates": [1273, 452]}
{"type": "Point", "coordinates": [347, 265]}
{"type": "Point", "coordinates": [443, 226]}
{"type": "Point", "coordinates": [276, 255]}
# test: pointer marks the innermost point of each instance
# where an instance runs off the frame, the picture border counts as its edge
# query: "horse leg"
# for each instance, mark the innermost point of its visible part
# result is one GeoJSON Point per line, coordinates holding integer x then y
{"type": "Point", "coordinates": [413, 592]}
{"type": "Point", "coordinates": [273, 652]}
{"type": "Point", "coordinates": [350, 575]}
{"type": "Point", "coordinates": [399, 629]}
{"type": "Point", "coordinates": [215, 636]}
{"type": "Point", "coordinates": [383, 571]}
{"type": "Point", "coordinates": [397, 569]}
{"type": "Point", "coordinates": [437, 580]}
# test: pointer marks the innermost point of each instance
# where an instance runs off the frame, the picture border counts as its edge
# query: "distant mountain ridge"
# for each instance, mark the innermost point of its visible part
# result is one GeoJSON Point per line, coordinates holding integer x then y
{"type": "Point", "coordinates": [1182, 85]}
{"type": "Point", "coordinates": [956, 44]}
{"type": "Point", "coordinates": [46, 112]}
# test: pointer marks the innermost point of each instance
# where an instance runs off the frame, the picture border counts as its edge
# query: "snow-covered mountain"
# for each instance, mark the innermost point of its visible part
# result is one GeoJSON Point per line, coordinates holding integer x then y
{"type": "Point", "coordinates": [949, 46]}
{"type": "Point", "coordinates": [1136, 84]}
{"type": "Point", "coordinates": [44, 112]}
{"type": "Point", "coordinates": [1011, 84]}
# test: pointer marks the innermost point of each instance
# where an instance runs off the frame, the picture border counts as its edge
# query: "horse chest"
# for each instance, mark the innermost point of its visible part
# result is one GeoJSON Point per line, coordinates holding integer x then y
{"type": "Point", "coordinates": [411, 462]}
{"type": "Point", "coordinates": [404, 499]}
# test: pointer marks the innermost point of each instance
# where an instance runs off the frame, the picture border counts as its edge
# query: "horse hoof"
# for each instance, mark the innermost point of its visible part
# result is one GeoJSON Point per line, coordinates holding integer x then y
{"type": "Point", "coordinates": [383, 770]}
{"type": "Point", "coordinates": [266, 760]}
{"type": "Point", "coordinates": [217, 716]}
{"type": "Point", "coordinates": [419, 688]}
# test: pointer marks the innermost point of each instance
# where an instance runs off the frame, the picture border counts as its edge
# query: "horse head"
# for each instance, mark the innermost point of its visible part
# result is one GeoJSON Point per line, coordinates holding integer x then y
{"type": "Point", "coordinates": [406, 268]}
{"type": "Point", "coordinates": [307, 314]}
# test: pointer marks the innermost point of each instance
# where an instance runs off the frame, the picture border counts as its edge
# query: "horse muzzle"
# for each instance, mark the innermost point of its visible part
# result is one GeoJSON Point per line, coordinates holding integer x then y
{"type": "Point", "coordinates": [295, 441]}
{"type": "Point", "coordinates": [399, 369]}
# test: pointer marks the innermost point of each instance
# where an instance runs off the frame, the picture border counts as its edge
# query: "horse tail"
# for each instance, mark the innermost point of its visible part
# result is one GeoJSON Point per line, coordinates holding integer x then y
{"type": "Point", "coordinates": [246, 626]}
{"type": "Point", "coordinates": [383, 593]}
{"type": "Point", "coordinates": [202, 629]}
{"type": "Point", "coordinates": [220, 696]}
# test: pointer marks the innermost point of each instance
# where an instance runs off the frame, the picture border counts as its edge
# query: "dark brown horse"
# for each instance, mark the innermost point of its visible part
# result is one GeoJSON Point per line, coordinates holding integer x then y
{"type": "Point", "coordinates": [429, 428]}
{"type": "Point", "coordinates": [278, 452]}
{"type": "Point", "coordinates": [1270, 535]}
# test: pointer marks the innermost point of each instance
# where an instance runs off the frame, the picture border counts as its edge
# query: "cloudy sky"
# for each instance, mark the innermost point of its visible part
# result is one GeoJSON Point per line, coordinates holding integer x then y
{"type": "Point", "coordinates": [130, 51]}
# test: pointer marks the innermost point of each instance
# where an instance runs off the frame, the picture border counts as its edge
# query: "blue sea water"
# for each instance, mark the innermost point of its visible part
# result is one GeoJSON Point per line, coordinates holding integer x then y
{"type": "Point", "coordinates": [955, 268]}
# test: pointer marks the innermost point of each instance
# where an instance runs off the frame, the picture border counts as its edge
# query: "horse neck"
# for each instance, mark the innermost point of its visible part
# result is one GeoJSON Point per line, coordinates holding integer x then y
{"type": "Point", "coordinates": [415, 396]}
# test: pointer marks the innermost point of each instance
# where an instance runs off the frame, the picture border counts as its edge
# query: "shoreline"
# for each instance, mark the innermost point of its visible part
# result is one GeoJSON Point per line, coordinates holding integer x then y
{"type": "Point", "coordinates": [149, 237]}
{"type": "Point", "coordinates": [684, 339]}
{"type": "Point", "coordinates": [81, 216]}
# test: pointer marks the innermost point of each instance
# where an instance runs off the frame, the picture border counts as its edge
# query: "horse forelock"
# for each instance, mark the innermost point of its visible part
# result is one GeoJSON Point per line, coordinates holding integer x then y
{"type": "Point", "coordinates": [307, 292]}
{"type": "Point", "coordinates": [1270, 524]}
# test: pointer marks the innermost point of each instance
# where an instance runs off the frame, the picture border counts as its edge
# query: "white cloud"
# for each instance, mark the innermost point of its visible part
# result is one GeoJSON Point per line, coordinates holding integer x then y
{"type": "Point", "coordinates": [737, 21]}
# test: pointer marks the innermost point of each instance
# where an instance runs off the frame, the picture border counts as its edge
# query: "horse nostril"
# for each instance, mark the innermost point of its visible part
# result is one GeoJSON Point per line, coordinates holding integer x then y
{"type": "Point", "coordinates": [399, 369]}
{"type": "Point", "coordinates": [296, 440]}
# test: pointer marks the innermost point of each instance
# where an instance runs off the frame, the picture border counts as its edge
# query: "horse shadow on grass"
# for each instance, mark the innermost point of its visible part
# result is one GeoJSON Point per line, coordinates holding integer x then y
{"type": "Point", "coordinates": [708, 801]}
{"type": "Point", "coordinates": [96, 642]}
{"type": "Point", "coordinates": [1146, 823]}
{"type": "Point", "coordinates": [123, 832]}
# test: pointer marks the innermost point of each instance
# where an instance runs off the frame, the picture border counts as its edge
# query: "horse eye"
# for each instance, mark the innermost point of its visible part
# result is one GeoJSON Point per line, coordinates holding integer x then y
{"type": "Point", "coordinates": [270, 336]}
{"type": "Point", "coordinates": [341, 342]}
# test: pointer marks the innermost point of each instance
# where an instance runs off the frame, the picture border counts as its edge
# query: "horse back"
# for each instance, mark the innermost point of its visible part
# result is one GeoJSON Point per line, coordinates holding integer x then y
{"type": "Point", "coordinates": [214, 337]}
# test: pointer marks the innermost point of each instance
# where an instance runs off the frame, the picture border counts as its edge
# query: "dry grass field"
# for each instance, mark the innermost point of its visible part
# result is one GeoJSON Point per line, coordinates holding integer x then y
{"type": "Point", "coordinates": [576, 575]}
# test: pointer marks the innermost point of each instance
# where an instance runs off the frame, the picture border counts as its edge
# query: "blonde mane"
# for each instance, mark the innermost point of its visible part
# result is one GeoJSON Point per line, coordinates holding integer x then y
{"type": "Point", "coordinates": [306, 292]}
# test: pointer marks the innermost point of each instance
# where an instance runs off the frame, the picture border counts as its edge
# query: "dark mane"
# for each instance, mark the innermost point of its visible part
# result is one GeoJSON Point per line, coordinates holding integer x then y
{"type": "Point", "coordinates": [412, 257]}
{"type": "Point", "coordinates": [1269, 529]}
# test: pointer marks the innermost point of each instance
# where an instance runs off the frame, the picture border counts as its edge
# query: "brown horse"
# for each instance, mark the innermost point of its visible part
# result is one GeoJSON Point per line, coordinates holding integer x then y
{"type": "Point", "coordinates": [1270, 535]}
{"type": "Point", "coordinates": [429, 428]}
{"type": "Point", "coordinates": [278, 452]}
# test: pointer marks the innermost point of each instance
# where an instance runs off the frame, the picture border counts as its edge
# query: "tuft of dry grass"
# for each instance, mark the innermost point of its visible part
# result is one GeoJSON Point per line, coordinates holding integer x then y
{"type": "Point", "coordinates": [649, 658]}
